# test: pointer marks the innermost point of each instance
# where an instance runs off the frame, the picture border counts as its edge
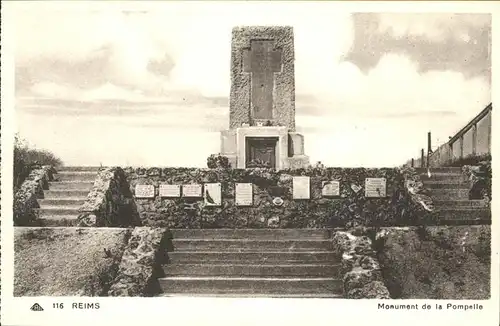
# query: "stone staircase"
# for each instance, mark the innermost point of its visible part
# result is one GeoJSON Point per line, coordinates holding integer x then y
{"type": "Point", "coordinates": [449, 190]}
{"type": "Point", "coordinates": [65, 195]}
{"type": "Point", "coordinates": [252, 262]}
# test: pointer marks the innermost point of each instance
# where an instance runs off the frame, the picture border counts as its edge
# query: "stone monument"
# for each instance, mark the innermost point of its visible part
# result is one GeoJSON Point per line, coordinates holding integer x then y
{"type": "Point", "coordinates": [262, 100]}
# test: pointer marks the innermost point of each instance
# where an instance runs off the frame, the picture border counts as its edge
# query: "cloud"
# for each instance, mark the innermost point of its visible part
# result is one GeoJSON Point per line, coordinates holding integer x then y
{"type": "Point", "coordinates": [396, 86]}
{"type": "Point", "coordinates": [146, 75]}
{"type": "Point", "coordinates": [434, 26]}
{"type": "Point", "coordinates": [192, 42]}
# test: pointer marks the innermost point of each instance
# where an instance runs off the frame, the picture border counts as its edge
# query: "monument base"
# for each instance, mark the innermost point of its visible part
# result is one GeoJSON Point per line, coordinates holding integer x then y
{"type": "Point", "coordinates": [273, 145]}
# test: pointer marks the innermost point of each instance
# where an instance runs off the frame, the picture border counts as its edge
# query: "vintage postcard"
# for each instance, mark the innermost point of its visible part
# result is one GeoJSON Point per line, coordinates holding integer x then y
{"type": "Point", "coordinates": [248, 163]}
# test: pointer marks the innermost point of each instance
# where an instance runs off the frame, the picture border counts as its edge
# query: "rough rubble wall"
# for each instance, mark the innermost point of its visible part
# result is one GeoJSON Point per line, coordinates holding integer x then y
{"type": "Point", "coordinates": [362, 274]}
{"type": "Point", "coordinates": [109, 202]}
{"type": "Point", "coordinates": [140, 265]}
{"type": "Point", "coordinates": [349, 209]}
{"type": "Point", "coordinates": [25, 199]}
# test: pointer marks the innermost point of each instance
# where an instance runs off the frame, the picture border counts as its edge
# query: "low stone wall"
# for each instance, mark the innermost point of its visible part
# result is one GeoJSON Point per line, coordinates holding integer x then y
{"type": "Point", "coordinates": [420, 205]}
{"type": "Point", "coordinates": [479, 178]}
{"type": "Point", "coordinates": [436, 262]}
{"type": "Point", "coordinates": [25, 199]}
{"type": "Point", "coordinates": [349, 209]}
{"type": "Point", "coordinates": [140, 266]}
{"type": "Point", "coordinates": [362, 274]}
{"type": "Point", "coordinates": [110, 201]}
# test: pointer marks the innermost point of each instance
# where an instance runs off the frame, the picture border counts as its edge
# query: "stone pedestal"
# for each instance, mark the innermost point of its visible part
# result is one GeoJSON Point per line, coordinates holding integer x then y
{"type": "Point", "coordinates": [288, 151]}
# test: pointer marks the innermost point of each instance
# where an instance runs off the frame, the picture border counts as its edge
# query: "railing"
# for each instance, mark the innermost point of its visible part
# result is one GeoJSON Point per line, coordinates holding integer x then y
{"type": "Point", "coordinates": [474, 139]}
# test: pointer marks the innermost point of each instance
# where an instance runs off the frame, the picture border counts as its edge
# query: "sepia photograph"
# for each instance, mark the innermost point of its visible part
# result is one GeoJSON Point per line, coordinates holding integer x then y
{"type": "Point", "coordinates": [272, 150]}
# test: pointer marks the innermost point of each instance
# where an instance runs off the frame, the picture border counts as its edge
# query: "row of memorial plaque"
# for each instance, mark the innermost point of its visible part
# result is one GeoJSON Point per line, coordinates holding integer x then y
{"type": "Point", "coordinates": [374, 187]}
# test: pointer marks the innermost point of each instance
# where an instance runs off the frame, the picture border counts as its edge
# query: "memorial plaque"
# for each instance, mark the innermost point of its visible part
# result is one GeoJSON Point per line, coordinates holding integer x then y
{"type": "Point", "coordinates": [375, 187]}
{"type": "Point", "coordinates": [167, 190]}
{"type": "Point", "coordinates": [213, 195]}
{"type": "Point", "coordinates": [191, 190]}
{"type": "Point", "coordinates": [244, 194]}
{"type": "Point", "coordinates": [301, 188]}
{"type": "Point", "coordinates": [144, 191]}
{"type": "Point", "coordinates": [331, 188]}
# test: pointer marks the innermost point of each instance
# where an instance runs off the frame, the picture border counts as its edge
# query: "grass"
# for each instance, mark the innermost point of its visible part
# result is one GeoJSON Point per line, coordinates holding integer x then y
{"type": "Point", "coordinates": [437, 262]}
{"type": "Point", "coordinates": [67, 261]}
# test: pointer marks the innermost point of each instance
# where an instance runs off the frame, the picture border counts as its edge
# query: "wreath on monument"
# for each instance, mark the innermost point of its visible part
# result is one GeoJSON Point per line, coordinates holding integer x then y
{"type": "Point", "coordinates": [215, 161]}
{"type": "Point", "coordinates": [259, 164]}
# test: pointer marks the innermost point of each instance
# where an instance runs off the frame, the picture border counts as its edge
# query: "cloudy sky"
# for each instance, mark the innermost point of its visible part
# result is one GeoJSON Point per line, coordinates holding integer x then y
{"type": "Point", "coordinates": [151, 87]}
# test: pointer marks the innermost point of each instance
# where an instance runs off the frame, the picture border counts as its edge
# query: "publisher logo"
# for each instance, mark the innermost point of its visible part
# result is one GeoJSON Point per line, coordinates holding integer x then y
{"type": "Point", "coordinates": [36, 307]}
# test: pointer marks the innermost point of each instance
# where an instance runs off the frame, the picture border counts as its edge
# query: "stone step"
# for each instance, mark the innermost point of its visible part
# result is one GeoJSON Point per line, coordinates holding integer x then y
{"type": "Point", "coordinates": [463, 214]}
{"type": "Point", "coordinates": [449, 194]}
{"type": "Point", "coordinates": [65, 193]}
{"type": "Point", "coordinates": [445, 185]}
{"type": "Point", "coordinates": [62, 201]}
{"type": "Point", "coordinates": [267, 270]}
{"type": "Point", "coordinates": [58, 210]}
{"type": "Point", "coordinates": [455, 170]}
{"type": "Point", "coordinates": [254, 234]}
{"type": "Point", "coordinates": [239, 245]}
{"type": "Point", "coordinates": [270, 257]}
{"type": "Point", "coordinates": [79, 168]}
{"type": "Point", "coordinates": [458, 203]}
{"type": "Point", "coordinates": [59, 220]}
{"type": "Point", "coordinates": [75, 176]}
{"type": "Point", "coordinates": [256, 295]}
{"type": "Point", "coordinates": [71, 185]}
{"type": "Point", "coordinates": [250, 285]}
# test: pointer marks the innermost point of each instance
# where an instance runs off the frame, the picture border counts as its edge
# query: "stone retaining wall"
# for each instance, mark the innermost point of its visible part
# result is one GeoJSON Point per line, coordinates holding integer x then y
{"type": "Point", "coordinates": [110, 201]}
{"type": "Point", "coordinates": [420, 205]}
{"type": "Point", "coordinates": [25, 199]}
{"type": "Point", "coordinates": [349, 209]}
{"type": "Point", "coordinates": [362, 275]}
{"type": "Point", "coordinates": [140, 266]}
{"type": "Point", "coordinates": [479, 178]}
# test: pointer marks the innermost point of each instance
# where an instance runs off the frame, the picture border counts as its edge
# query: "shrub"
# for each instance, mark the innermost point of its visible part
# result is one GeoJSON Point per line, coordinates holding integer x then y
{"type": "Point", "coordinates": [25, 158]}
{"type": "Point", "coordinates": [215, 161]}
